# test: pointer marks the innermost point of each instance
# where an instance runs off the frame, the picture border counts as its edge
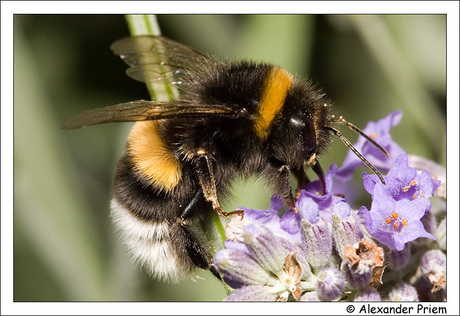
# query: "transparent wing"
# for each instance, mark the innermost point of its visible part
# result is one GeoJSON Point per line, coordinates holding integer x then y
{"type": "Point", "coordinates": [146, 110]}
{"type": "Point", "coordinates": [154, 58]}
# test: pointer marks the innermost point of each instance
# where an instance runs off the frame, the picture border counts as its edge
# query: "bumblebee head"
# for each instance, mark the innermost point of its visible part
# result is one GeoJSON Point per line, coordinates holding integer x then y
{"type": "Point", "coordinates": [304, 131]}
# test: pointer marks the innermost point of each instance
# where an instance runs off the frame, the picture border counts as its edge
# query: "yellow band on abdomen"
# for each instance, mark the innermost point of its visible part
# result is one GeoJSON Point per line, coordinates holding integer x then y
{"type": "Point", "coordinates": [151, 156]}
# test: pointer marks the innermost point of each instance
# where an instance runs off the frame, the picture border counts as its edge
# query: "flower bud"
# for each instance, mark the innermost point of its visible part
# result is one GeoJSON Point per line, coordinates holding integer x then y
{"type": "Point", "coordinates": [364, 260]}
{"type": "Point", "coordinates": [403, 292]}
{"type": "Point", "coordinates": [318, 243]}
{"type": "Point", "coordinates": [257, 293]}
{"type": "Point", "coordinates": [356, 280]}
{"type": "Point", "coordinates": [239, 269]}
{"type": "Point", "coordinates": [265, 247]}
{"type": "Point", "coordinates": [369, 294]}
{"type": "Point", "coordinates": [399, 259]}
{"type": "Point", "coordinates": [331, 284]}
{"type": "Point", "coordinates": [433, 266]}
{"type": "Point", "coordinates": [345, 233]}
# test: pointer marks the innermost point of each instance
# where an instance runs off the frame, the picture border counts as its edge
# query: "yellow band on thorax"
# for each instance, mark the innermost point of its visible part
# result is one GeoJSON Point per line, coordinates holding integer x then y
{"type": "Point", "coordinates": [276, 87]}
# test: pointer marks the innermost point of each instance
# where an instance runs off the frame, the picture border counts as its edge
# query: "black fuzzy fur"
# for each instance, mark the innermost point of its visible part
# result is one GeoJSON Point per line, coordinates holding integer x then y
{"type": "Point", "coordinates": [231, 145]}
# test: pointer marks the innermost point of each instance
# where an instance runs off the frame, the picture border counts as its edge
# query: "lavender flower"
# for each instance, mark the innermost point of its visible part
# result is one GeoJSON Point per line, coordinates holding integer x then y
{"type": "Point", "coordinates": [403, 182]}
{"type": "Point", "coordinates": [380, 132]}
{"type": "Point", "coordinates": [325, 249]}
{"type": "Point", "coordinates": [398, 206]}
{"type": "Point", "coordinates": [268, 218]}
{"type": "Point", "coordinates": [312, 204]}
{"type": "Point", "coordinates": [268, 270]}
{"type": "Point", "coordinates": [318, 243]}
{"type": "Point", "coordinates": [346, 232]}
{"type": "Point", "coordinates": [394, 223]}
{"type": "Point", "coordinates": [314, 189]}
{"type": "Point", "coordinates": [435, 170]}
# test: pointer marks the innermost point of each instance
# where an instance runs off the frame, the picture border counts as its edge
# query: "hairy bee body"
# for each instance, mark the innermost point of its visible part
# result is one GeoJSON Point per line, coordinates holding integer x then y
{"type": "Point", "coordinates": [232, 119]}
{"type": "Point", "coordinates": [156, 182]}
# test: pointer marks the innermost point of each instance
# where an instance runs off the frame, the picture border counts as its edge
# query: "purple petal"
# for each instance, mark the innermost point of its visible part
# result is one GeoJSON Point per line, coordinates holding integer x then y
{"type": "Point", "coordinates": [314, 189]}
{"type": "Point", "coordinates": [394, 223]}
{"type": "Point", "coordinates": [270, 218]}
{"type": "Point", "coordinates": [290, 222]}
{"type": "Point", "coordinates": [416, 230]}
{"type": "Point", "coordinates": [414, 209]}
{"type": "Point", "coordinates": [261, 216]}
{"type": "Point", "coordinates": [369, 181]}
{"type": "Point", "coordinates": [426, 185]}
{"type": "Point", "coordinates": [341, 208]}
{"type": "Point", "coordinates": [276, 204]}
{"type": "Point", "coordinates": [380, 131]}
{"type": "Point", "coordinates": [308, 208]}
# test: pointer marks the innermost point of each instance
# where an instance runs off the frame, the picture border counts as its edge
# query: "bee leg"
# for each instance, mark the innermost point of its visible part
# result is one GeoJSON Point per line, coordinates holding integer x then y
{"type": "Point", "coordinates": [197, 252]}
{"type": "Point", "coordinates": [192, 206]}
{"type": "Point", "coordinates": [214, 271]}
{"type": "Point", "coordinates": [302, 180]}
{"type": "Point", "coordinates": [208, 181]}
{"type": "Point", "coordinates": [199, 255]}
{"type": "Point", "coordinates": [283, 173]}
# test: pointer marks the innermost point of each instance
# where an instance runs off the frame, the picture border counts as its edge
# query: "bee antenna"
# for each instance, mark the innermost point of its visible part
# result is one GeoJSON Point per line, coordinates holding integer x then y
{"type": "Point", "coordinates": [356, 129]}
{"type": "Point", "coordinates": [356, 152]}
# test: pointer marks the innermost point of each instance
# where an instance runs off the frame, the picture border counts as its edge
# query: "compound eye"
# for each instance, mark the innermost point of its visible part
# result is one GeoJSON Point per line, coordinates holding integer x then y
{"type": "Point", "coordinates": [309, 136]}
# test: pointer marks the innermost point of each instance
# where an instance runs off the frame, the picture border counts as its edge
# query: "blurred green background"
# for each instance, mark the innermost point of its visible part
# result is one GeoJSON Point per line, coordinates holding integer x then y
{"type": "Point", "coordinates": [65, 248]}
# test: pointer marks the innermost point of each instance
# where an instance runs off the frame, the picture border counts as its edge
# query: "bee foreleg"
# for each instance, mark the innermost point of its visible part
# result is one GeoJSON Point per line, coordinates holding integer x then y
{"type": "Point", "coordinates": [302, 180]}
{"type": "Point", "coordinates": [283, 173]}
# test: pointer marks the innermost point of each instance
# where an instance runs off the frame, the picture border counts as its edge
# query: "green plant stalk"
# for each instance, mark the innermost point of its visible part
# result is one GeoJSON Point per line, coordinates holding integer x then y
{"type": "Point", "coordinates": [148, 25]}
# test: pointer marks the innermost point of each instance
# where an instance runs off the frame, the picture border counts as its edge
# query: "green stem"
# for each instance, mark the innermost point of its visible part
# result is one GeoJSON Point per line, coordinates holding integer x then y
{"type": "Point", "coordinates": [147, 25]}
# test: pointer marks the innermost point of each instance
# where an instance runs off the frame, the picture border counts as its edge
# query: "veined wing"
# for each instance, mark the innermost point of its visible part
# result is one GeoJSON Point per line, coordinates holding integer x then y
{"type": "Point", "coordinates": [143, 110]}
{"type": "Point", "coordinates": [154, 58]}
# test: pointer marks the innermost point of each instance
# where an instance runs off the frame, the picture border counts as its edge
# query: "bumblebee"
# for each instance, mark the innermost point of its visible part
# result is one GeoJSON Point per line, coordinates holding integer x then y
{"type": "Point", "coordinates": [231, 119]}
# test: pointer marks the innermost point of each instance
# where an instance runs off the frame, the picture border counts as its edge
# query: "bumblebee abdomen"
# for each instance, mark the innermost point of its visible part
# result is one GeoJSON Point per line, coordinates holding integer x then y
{"type": "Point", "coordinates": [147, 241]}
{"type": "Point", "coordinates": [167, 249]}
{"type": "Point", "coordinates": [151, 227]}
